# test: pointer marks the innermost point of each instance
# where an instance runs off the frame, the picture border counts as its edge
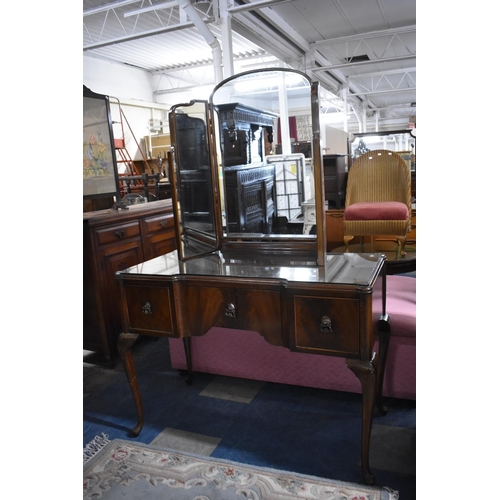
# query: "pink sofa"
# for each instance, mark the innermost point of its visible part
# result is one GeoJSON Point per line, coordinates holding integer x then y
{"type": "Point", "coordinates": [246, 354]}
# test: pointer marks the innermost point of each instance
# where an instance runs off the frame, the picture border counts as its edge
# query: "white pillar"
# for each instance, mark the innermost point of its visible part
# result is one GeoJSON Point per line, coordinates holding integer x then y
{"type": "Point", "coordinates": [227, 37]}
{"type": "Point", "coordinates": [346, 106]}
{"type": "Point", "coordinates": [285, 128]}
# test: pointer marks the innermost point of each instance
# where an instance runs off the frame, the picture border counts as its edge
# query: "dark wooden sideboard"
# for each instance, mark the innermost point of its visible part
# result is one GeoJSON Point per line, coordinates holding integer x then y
{"type": "Point", "coordinates": [113, 241]}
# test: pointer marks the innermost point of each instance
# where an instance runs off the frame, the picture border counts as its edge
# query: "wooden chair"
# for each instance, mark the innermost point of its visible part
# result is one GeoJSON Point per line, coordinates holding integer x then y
{"type": "Point", "coordinates": [141, 184]}
{"type": "Point", "coordinates": [378, 198]}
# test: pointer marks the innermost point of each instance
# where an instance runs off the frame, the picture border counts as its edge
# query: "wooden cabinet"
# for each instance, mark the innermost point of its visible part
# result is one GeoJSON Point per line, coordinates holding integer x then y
{"type": "Point", "coordinates": [334, 167]}
{"type": "Point", "coordinates": [114, 241]}
{"type": "Point", "coordinates": [411, 237]}
{"type": "Point", "coordinates": [334, 229]}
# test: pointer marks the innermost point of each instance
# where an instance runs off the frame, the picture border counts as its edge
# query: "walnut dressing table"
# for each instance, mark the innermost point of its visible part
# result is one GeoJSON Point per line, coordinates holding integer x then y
{"type": "Point", "coordinates": [261, 276]}
{"type": "Point", "coordinates": [291, 302]}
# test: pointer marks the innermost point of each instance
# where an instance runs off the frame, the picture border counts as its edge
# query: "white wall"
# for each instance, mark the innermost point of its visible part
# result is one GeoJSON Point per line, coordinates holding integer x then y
{"type": "Point", "coordinates": [334, 140]}
{"type": "Point", "coordinates": [117, 80]}
{"type": "Point", "coordinates": [134, 89]}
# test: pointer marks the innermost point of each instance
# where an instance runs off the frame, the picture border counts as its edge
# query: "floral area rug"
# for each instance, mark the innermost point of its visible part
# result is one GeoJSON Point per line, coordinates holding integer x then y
{"type": "Point", "coordinates": [121, 469]}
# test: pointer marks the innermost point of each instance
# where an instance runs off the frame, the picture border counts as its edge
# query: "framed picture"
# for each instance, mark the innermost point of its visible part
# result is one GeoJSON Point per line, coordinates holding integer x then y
{"type": "Point", "coordinates": [100, 173]}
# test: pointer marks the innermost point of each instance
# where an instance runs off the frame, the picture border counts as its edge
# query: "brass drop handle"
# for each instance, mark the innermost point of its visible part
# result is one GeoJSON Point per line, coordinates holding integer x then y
{"type": "Point", "coordinates": [146, 308]}
{"type": "Point", "coordinates": [326, 324]}
{"type": "Point", "coordinates": [120, 234]}
{"type": "Point", "coordinates": [163, 223]}
{"type": "Point", "coordinates": [231, 311]}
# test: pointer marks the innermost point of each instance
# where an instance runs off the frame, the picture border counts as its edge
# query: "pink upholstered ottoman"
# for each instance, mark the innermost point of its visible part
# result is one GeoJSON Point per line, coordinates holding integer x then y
{"type": "Point", "coordinates": [245, 354]}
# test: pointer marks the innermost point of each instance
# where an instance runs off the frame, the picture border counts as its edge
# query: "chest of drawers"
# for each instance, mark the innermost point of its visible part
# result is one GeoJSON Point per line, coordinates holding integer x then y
{"type": "Point", "coordinates": [113, 241]}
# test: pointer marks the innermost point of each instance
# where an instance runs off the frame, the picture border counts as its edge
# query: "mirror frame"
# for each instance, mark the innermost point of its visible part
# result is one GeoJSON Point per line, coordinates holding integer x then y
{"type": "Point", "coordinates": [313, 245]}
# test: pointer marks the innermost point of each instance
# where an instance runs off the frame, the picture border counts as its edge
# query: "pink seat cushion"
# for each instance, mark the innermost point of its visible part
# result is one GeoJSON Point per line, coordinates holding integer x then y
{"type": "Point", "coordinates": [376, 210]}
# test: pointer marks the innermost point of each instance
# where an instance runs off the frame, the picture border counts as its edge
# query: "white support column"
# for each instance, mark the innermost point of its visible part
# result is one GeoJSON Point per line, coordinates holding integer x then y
{"type": "Point", "coordinates": [346, 106]}
{"type": "Point", "coordinates": [205, 32]}
{"type": "Point", "coordinates": [285, 127]}
{"type": "Point", "coordinates": [363, 106]}
{"type": "Point", "coordinates": [227, 37]}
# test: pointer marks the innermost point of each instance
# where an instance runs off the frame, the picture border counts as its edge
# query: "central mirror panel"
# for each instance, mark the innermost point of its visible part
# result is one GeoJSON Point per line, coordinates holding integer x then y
{"type": "Point", "coordinates": [264, 129]}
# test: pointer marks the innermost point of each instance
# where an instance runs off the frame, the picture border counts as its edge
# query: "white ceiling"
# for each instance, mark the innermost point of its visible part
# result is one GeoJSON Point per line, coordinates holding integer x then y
{"type": "Point", "coordinates": [362, 51]}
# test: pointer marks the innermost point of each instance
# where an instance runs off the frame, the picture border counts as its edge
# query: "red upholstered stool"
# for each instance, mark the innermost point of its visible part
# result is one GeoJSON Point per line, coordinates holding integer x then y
{"type": "Point", "coordinates": [245, 354]}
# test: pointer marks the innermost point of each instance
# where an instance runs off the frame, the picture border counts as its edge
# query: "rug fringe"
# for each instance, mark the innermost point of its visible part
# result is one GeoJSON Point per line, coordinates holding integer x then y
{"type": "Point", "coordinates": [95, 446]}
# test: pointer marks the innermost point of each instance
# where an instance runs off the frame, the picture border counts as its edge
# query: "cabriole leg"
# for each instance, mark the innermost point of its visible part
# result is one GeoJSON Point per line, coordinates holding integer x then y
{"type": "Point", "coordinates": [125, 343]}
{"type": "Point", "coordinates": [367, 375]}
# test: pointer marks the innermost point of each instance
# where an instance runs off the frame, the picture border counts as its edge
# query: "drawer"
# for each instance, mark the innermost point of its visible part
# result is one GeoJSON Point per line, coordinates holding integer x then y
{"type": "Point", "coordinates": [159, 223]}
{"type": "Point", "coordinates": [245, 309]}
{"type": "Point", "coordinates": [118, 233]}
{"type": "Point", "coordinates": [326, 325]}
{"type": "Point", "coordinates": [159, 244]}
{"type": "Point", "coordinates": [122, 257]}
{"type": "Point", "coordinates": [149, 310]}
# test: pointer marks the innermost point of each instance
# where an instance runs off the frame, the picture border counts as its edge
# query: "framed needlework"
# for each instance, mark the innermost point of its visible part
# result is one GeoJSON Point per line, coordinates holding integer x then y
{"type": "Point", "coordinates": [100, 173]}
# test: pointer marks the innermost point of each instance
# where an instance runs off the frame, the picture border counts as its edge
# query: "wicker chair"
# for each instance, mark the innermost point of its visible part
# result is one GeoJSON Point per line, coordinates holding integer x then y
{"type": "Point", "coordinates": [378, 198]}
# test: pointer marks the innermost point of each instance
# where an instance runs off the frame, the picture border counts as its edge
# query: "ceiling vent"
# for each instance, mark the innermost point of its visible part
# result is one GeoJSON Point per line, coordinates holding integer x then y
{"type": "Point", "coordinates": [355, 59]}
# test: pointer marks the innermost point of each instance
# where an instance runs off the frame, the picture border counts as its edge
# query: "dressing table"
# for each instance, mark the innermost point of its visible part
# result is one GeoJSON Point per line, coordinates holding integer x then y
{"type": "Point", "coordinates": [284, 286]}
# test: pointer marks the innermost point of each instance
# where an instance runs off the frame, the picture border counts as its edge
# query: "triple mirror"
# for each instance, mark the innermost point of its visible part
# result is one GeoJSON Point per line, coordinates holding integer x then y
{"type": "Point", "coordinates": [244, 162]}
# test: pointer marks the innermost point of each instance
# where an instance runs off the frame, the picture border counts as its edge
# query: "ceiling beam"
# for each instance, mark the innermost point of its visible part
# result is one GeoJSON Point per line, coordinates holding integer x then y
{"type": "Point", "coordinates": [364, 63]}
{"type": "Point", "coordinates": [363, 36]}
{"type": "Point", "coordinates": [255, 5]}
{"type": "Point", "coordinates": [371, 92]}
{"type": "Point", "coordinates": [383, 73]}
{"type": "Point", "coordinates": [108, 6]}
{"type": "Point", "coordinates": [144, 34]}
{"type": "Point", "coordinates": [142, 10]}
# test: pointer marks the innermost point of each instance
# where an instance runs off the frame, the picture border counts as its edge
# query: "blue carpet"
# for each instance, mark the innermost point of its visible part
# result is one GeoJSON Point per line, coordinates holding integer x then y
{"type": "Point", "coordinates": [309, 431]}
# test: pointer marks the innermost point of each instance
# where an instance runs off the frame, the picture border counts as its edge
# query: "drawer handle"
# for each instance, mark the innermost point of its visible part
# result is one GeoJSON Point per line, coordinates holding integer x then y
{"type": "Point", "coordinates": [146, 308]}
{"type": "Point", "coordinates": [231, 311]}
{"type": "Point", "coordinates": [163, 223]}
{"type": "Point", "coordinates": [326, 324]}
{"type": "Point", "coordinates": [120, 234]}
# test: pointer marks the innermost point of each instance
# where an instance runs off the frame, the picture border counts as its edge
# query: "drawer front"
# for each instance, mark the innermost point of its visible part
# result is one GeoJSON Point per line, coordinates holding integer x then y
{"type": "Point", "coordinates": [326, 325]}
{"type": "Point", "coordinates": [246, 309]}
{"type": "Point", "coordinates": [159, 244]}
{"type": "Point", "coordinates": [149, 310]}
{"type": "Point", "coordinates": [122, 258]}
{"type": "Point", "coordinates": [118, 233]}
{"type": "Point", "coordinates": [159, 223]}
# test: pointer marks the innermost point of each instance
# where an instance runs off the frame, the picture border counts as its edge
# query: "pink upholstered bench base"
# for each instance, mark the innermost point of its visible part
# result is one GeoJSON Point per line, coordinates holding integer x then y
{"type": "Point", "coordinates": [245, 354]}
